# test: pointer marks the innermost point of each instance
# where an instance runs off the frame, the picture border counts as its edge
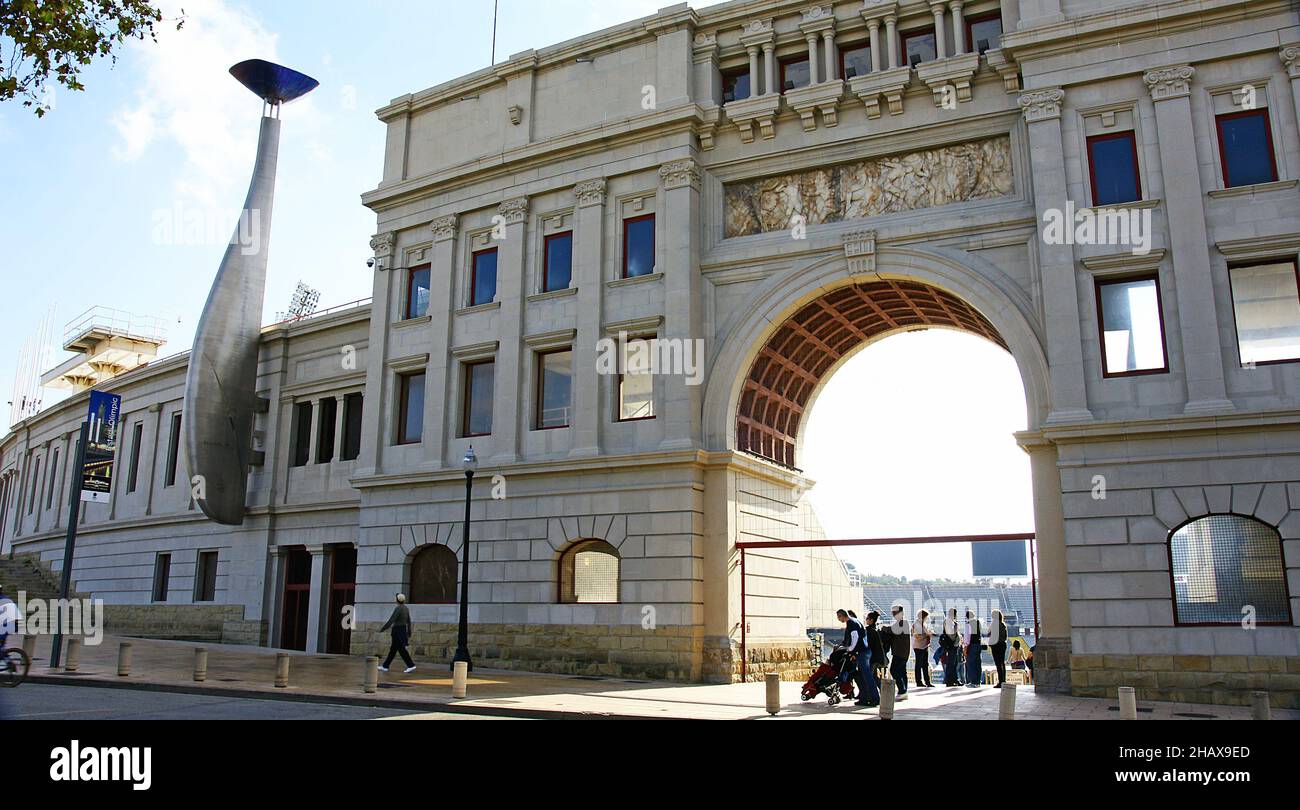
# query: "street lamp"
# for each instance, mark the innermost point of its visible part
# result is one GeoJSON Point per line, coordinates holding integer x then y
{"type": "Point", "coordinates": [470, 464]}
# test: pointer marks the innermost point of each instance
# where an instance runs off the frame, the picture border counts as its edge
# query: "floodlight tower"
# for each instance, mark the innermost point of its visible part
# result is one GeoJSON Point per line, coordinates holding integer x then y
{"type": "Point", "coordinates": [221, 386]}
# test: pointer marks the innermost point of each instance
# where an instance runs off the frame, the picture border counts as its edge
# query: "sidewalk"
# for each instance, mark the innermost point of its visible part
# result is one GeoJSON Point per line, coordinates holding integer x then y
{"type": "Point", "coordinates": [250, 672]}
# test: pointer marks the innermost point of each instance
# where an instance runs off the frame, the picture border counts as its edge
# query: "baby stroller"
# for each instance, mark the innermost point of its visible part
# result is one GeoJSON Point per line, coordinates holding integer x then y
{"type": "Point", "coordinates": [833, 678]}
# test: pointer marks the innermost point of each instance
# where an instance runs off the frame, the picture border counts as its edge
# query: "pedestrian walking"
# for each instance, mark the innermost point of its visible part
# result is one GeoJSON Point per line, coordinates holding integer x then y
{"type": "Point", "coordinates": [400, 623]}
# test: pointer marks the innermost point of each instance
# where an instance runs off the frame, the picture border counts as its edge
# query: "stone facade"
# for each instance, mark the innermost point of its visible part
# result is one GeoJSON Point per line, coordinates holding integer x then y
{"type": "Point", "coordinates": [966, 156]}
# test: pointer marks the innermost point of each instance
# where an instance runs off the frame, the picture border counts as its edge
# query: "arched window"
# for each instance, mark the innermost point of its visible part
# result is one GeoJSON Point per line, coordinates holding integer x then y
{"type": "Point", "coordinates": [433, 576]}
{"type": "Point", "coordinates": [1223, 564]}
{"type": "Point", "coordinates": [589, 573]}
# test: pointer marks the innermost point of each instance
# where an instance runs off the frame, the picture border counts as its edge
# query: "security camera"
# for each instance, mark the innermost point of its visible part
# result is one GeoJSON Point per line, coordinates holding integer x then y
{"type": "Point", "coordinates": [370, 262]}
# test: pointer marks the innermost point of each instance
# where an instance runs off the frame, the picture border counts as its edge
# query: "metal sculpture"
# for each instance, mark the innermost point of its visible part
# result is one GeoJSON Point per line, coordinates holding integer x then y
{"type": "Point", "coordinates": [221, 385]}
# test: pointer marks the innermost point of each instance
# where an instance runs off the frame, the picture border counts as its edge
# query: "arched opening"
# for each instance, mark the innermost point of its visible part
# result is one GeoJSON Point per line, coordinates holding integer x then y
{"type": "Point", "coordinates": [794, 361]}
{"type": "Point", "coordinates": [433, 576]}
{"type": "Point", "coordinates": [589, 573]}
{"type": "Point", "coordinates": [1226, 569]}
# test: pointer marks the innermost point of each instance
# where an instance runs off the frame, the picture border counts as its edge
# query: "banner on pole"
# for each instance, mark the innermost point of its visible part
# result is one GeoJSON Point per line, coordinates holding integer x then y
{"type": "Point", "coordinates": [101, 447]}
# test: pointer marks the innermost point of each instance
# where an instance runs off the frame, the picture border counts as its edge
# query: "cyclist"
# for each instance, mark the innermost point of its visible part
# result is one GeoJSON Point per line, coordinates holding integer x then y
{"type": "Point", "coordinates": [9, 617]}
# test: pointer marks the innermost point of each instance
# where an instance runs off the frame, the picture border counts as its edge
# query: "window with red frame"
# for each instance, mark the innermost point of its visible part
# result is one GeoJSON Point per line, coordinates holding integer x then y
{"type": "Point", "coordinates": [1246, 148]}
{"type": "Point", "coordinates": [795, 73]}
{"type": "Point", "coordinates": [1113, 168]}
{"type": "Point", "coordinates": [918, 46]}
{"type": "Point", "coordinates": [983, 32]}
{"type": "Point", "coordinates": [639, 246]}
{"type": "Point", "coordinates": [557, 261]}
{"type": "Point", "coordinates": [1132, 326]}
{"type": "Point", "coordinates": [483, 277]}
{"type": "Point", "coordinates": [417, 292]}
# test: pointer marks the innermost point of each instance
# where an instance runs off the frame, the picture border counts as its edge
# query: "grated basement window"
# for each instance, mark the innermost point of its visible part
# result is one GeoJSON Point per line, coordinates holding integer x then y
{"type": "Point", "coordinates": [1222, 564]}
{"type": "Point", "coordinates": [589, 574]}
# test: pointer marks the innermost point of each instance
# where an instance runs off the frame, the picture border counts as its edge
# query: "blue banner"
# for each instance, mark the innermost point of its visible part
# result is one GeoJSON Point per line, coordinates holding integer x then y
{"type": "Point", "coordinates": [101, 447]}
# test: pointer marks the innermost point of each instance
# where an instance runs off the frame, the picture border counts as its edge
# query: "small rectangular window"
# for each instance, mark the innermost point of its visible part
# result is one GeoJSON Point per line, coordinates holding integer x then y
{"type": "Point", "coordinates": [483, 278]}
{"type": "Point", "coordinates": [1132, 327]}
{"type": "Point", "coordinates": [557, 262]}
{"type": "Point", "coordinates": [34, 491]}
{"type": "Point", "coordinates": [639, 246]}
{"type": "Point", "coordinates": [302, 414]}
{"type": "Point", "coordinates": [635, 381]}
{"type": "Point", "coordinates": [410, 411]}
{"type": "Point", "coordinates": [173, 450]}
{"type": "Point", "coordinates": [480, 380]}
{"type": "Point", "coordinates": [329, 414]}
{"type": "Point", "coordinates": [54, 479]}
{"type": "Point", "coordinates": [352, 409]}
{"type": "Point", "coordinates": [795, 73]}
{"type": "Point", "coordinates": [133, 471]}
{"type": "Point", "coordinates": [1266, 307]}
{"type": "Point", "coordinates": [1113, 167]}
{"type": "Point", "coordinates": [205, 578]}
{"type": "Point", "coordinates": [735, 84]}
{"type": "Point", "coordinates": [918, 46]}
{"type": "Point", "coordinates": [1246, 148]}
{"type": "Point", "coordinates": [554, 389]}
{"type": "Point", "coordinates": [855, 61]}
{"type": "Point", "coordinates": [162, 572]}
{"type": "Point", "coordinates": [417, 292]}
{"type": "Point", "coordinates": [984, 32]}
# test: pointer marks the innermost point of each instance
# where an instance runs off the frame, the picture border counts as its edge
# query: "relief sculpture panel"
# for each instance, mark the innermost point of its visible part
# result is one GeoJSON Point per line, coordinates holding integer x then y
{"type": "Point", "coordinates": [882, 185]}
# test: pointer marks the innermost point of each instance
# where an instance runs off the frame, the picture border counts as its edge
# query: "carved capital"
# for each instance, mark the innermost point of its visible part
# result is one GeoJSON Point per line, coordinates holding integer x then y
{"type": "Point", "coordinates": [1290, 56]}
{"type": "Point", "coordinates": [1169, 82]}
{"type": "Point", "coordinates": [590, 192]}
{"type": "Point", "coordinates": [860, 251]}
{"type": "Point", "coordinates": [1042, 105]}
{"type": "Point", "coordinates": [514, 210]}
{"type": "Point", "coordinates": [680, 174]}
{"type": "Point", "coordinates": [444, 228]}
{"type": "Point", "coordinates": [382, 244]}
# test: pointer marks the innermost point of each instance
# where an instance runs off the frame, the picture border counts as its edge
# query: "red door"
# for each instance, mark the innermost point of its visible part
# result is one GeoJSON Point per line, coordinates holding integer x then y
{"type": "Point", "coordinates": [343, 592]}
{"type": "Point", "coordinates": [297, 596]}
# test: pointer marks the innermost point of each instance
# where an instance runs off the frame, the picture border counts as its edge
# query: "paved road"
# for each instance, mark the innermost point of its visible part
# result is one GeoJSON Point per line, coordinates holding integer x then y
{"type": "Point", "coordinates": [35, 701]}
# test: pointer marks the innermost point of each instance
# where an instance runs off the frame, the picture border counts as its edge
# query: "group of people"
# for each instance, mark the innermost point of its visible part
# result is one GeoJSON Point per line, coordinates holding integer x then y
{"type": "Point", "coordinates": [960, 650]}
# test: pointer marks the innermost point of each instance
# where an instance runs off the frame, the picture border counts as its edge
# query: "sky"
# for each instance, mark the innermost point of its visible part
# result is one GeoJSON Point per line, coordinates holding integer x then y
{"type": "Point", "coordinates": [124, 196]}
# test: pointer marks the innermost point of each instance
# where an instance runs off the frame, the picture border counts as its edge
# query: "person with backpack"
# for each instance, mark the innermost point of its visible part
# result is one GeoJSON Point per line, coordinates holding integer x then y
{"type": "Point", "coordinates": [950, 644]}
{"type": "Point", "coordinates": [972, 644]}
{"type": "Point", "coordinates": [900, 647]}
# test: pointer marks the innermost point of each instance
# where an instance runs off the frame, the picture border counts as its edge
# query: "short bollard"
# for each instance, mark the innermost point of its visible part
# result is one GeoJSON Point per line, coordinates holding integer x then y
{"type": "Point", "coordinates": [371, 683]}
{"type": "Point", "coordinates": [29, 646]}
{"type": "Point", "coordinates": [459, 679]}
{"type": "Point", "coordinates": [1128, 707]}
{"type": "Point", "coordinates": [281, 670]}
{"type": "Point", "coordinates": [1007, 706]}
{"type": "Point", "coordinates": [773, 682]}
{"type": "Point", "coordinates": [73, 658]}
{"type": "Point", "coordinates": [1259, 708]}
{"type": "Point", "coordinates": [124, 659]}
{"type": "Point", "coordinates": [887, 699]}
{"type": "Point", "coordinates": [200, 664]}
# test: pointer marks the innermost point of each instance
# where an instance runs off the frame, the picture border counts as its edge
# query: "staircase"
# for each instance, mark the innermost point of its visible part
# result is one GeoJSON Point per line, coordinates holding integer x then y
{"type": "Point", "coordinates": [27, 573]}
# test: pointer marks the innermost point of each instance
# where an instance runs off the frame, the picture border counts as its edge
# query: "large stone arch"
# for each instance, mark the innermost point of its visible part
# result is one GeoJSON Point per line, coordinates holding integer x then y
{"type": "Point", "coordinates": [982, 287]}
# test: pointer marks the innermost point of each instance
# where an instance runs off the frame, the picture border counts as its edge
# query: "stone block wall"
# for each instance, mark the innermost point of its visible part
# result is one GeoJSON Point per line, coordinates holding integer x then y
{"type": "Point", "coordinates": [615, 651]}
{"type": "Point", "coordinates": [1221, 679]}
{"type": "Point", "coordinates": [214, 623]}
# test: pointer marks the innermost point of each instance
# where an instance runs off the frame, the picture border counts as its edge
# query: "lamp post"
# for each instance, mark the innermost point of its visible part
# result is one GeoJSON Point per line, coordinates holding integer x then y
{"type": "Point", "coordinates": [470, 463]}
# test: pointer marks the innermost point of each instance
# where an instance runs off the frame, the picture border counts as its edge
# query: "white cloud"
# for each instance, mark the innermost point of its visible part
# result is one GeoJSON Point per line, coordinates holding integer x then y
{"type": "Point", "coordinates": [187, 97]}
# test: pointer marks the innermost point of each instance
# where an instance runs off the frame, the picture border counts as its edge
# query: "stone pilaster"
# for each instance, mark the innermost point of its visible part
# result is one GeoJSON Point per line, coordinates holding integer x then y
{"type": "Point", "coordinates": [507, 411]}
{"type": "Point", "coordinates": [683, 306]}
{"type": "Point", "coordinates": [317, 601]}
{"type": "Point", "coordinates": [1189, 239]}
{"type": "Point", "coordinates": [442, 308]}
{"type": "Point", "coordinates": [588, 270]}
{"type": "Point", "coordinates": [1290, 56]}
{"type": "Point", "coordinates": [382, 314]}
{"type": "Point", "coordinates": [1042, 112]}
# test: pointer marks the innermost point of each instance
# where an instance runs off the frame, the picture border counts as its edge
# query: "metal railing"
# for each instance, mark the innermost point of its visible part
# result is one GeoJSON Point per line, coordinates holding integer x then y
{"type": "Point", "coordinates": [358, 304]}
{"type": "Point", "coordinates": [115, 322]}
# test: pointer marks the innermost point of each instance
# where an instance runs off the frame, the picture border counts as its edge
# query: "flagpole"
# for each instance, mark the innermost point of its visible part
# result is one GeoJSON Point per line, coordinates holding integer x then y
{"type": "Point", "coordinates": [495, 5]}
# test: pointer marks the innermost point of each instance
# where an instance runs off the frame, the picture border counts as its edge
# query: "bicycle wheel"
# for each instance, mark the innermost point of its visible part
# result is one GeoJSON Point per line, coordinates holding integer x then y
{"type": "Point", "coordinates": [13, 667]}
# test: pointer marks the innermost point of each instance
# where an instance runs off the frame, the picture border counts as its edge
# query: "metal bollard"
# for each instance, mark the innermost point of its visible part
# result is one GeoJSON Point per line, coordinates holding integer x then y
{"type": "Point", "coordinates": [1128, 709]}
{"type": "Point", "coordinates": [72, 661]}
{"type": "Point", "coordinates": [124, 659]}
{"type": "Point", "coordinates": [773, 682]}
{"type": "Point", "coordinates": [887, 688]}
{"type": "Point", "coordinates": [371, 683]}
{"type": "Point", "coordinates": [200, 664]}
{"type": "Point", "coordinates": [281, 670]}
{"type": "Point", "coordinates": [1259, 707]}
{"type": "Point", "coordinates": [1007, 704]}
{"type": "Point", "coordinates": [459, 679]}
